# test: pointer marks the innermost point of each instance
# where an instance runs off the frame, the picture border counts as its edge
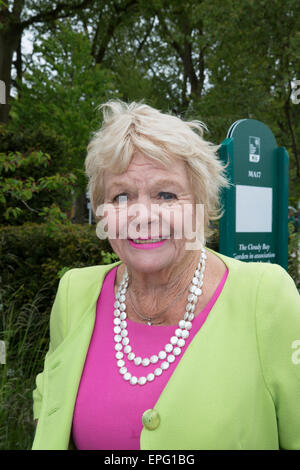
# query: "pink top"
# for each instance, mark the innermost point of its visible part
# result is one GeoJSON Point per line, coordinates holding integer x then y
{"type": "Point", "coordinates": [108, 410]}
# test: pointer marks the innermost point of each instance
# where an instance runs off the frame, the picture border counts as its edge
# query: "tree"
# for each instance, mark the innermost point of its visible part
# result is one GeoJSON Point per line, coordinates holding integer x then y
{"type": "Point", "coordinates": [15, 17]}
{"type": "Point", "coordinates": [60, 92]}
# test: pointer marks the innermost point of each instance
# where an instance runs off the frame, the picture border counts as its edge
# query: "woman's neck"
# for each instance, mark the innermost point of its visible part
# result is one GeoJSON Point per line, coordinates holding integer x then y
{"type": "Point", "coordinates": [150, 294]}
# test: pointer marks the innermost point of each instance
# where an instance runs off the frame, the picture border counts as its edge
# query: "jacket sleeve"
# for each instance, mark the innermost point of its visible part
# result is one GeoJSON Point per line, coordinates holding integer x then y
{"type": "Point", "coordinates": [58, 331]}
{"type": "Point", "coordinates": [278, 336]}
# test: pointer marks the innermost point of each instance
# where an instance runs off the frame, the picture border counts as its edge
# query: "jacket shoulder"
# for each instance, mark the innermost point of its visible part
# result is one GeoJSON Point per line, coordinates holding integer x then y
{"type": "Point", "coordinates": [80, 287]}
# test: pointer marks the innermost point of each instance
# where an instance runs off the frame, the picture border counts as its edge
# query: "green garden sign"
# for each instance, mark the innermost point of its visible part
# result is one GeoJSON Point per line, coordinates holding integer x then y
{"type": "Point", "coordinates": [254, 226]}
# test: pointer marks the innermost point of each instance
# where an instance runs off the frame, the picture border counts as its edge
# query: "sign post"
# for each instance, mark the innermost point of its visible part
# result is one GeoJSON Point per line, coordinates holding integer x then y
{"type": "Point", "coordinates": [254, 226]}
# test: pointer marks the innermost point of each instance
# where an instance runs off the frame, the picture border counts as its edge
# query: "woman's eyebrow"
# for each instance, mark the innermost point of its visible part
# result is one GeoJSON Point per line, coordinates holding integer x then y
{"type": "Point", "coordinates": [156, 183]}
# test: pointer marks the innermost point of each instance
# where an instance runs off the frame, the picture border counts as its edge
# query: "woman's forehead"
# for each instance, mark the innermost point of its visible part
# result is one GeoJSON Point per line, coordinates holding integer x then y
{"type": "Point", "coordinates": [141, 168]}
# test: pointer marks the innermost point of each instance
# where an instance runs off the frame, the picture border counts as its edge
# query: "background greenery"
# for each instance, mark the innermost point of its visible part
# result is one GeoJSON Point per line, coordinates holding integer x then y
{"type": "Point", "coordinates": [205, 59]}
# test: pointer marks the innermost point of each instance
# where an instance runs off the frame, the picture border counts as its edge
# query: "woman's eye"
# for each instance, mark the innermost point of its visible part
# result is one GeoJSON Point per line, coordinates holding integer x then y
{"type": "Point", "coordinates": [120, 198]}
{"type": "Point", "coordinates": [167, 196]}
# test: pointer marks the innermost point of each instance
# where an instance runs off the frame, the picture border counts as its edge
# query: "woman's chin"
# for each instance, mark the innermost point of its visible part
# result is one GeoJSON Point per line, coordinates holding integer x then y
{"type": "Point", "coordinates": [150, 259]}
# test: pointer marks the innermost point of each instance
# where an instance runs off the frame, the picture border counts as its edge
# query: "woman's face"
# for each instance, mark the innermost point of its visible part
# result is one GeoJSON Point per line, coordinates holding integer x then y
{"type": "Point", "coordinates": [148, 201]}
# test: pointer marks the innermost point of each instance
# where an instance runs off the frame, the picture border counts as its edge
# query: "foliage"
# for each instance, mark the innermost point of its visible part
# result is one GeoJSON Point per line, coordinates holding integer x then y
{"type": "Point", "coordinates": [31, 186]}
{"type": "Point", "coordinates": [61, 90]}
{"type": "Point", "coordinates": [25, 304]}
{"type": "Point", "coordinates": [72, 246]}
{"type": "Point", "coordinates": [15, 189]}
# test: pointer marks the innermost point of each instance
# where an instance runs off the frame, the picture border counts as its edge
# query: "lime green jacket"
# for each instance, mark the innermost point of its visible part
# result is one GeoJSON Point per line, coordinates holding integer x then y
{"type": "Point", "coordinates": [236, 387]}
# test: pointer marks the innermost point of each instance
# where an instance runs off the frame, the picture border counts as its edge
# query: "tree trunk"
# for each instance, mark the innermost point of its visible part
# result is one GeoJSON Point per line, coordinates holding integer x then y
{"type": "Point", "coordinates": [9, 40]}
{"type": "Point", "coordinates": [81, 213]}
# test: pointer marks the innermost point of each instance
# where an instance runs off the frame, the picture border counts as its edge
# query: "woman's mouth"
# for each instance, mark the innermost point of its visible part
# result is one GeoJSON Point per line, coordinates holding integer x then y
{"type": "Point", "coordinates": [149, 243]}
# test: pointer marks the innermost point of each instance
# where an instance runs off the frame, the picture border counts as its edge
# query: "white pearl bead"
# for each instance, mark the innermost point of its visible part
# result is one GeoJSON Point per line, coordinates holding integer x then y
{"type": "Point", "coordinates": [181, 324]}
{"type": "Point", "coordinates": [194, 281]}
{"type": "Point", "coordinates": [123, 324]}
{"type": "Point", "coordinates": [133, 380]}
{"type": "Point", "coordinates": [164, 365]}
{"type": "Point", "coordinates": [117, 295]}
{"type": "Point", "coordinates": [176, 351]}
{"type": "Point", "coordinates": [191, 297]}
{"type": "Point", "coordinates": [123, 370]}
{"type": "Point", "coordinates": [150, 377]}
{"type": "Point", "coordinates": [146, 362]}
{"type": "Point", "coordinates": [118, 338]}
{"type": "Point", "coordinates": [124, 333]}
{"type": "Point", "coordinates": [119, 355]}
{"type": "Point", "coordinates": [198, 291]}
{"type": "Point", "coordinates": [118, 347]}
{"type": "Point", "coordinates": [127, 375]}
{"type": "Point", "coordinates": [142, 380]}
{"type": "Point", "coordinates": [188, 307]}
{"type": "Point", "coordinates": [123, 291]}
{"type": "Point", "coordinates": [162, 354]}
{"type": "Point", "coordinates": [192, 288]}
{"type": "Point", "coordinates": [178, 332]}
{"type": "Point", "coordinates": [125, 341]}
{"type": "Point", "coordinates": [122, 307]}
{"type": "Point", "coordinates": [117, 313]}
{"type": "Point", "coordinates": [173, 340]}
{"type": "Point", "coordinates": [137, 360]}
{"type": "Point", "coordinates": [117, 321]}
{"type": "Point", "coordinates": [153, 359]}
{"type": "Point", "coordinates": [158, 371]}
{"type": "Point", "coordinates": [131, 356]}
{"type": "Point", "coordinates": [122, 298]}
{"type": "Point", "coordinates": [181, 343]}
{"type": "Point", "coordinates": [188, 325]}
{"type": "Point", "coordinates": [120, 363]}
{"type": "Point", "coordinates": [117, 304]}
{"type": "Point", "coordinates": [168, 348]}
{"type": "Point", "coordinates": [185, 334]}
{"type": "Point", "coordinates": [117, 330]}
{"type": "Point", "coordinates": [171, 358]}
{"type": "Point", "coordinates": [127, 349]}
{"type": "Point", "coordinates": [191, 317]}
{"type": "Point", "coordinates": [122, 316]}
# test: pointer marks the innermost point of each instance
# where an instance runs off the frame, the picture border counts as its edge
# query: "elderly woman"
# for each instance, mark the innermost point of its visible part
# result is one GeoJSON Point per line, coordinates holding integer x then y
{"type": "Point", "coordinates": [175, 346]}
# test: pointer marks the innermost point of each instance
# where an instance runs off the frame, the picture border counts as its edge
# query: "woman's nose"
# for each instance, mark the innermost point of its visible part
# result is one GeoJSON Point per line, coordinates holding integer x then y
{"type": "Point", "coordinates": [145, 216]}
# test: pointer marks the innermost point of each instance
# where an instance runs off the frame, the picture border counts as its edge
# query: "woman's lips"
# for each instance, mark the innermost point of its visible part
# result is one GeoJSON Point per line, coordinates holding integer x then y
{"type": "Point", "coordinates": [146, 246]}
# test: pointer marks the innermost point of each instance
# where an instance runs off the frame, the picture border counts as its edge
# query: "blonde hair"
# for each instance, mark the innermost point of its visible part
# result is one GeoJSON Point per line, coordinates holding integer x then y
{"type": "Point", "coordinates": [128, 128]}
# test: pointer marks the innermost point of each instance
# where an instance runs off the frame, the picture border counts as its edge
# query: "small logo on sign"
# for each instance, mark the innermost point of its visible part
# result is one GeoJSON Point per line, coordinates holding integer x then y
{"type": "Point", "coordinates": [254, 149]}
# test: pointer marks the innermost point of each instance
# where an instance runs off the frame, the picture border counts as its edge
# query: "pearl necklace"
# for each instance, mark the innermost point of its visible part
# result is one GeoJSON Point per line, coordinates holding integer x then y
{"type": "Point", "coordinates": [172, 349]}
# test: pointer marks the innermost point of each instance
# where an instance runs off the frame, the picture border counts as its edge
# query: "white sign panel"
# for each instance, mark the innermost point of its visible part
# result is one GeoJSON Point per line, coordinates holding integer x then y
{"type": "Point", "coordinates": [253, 209]}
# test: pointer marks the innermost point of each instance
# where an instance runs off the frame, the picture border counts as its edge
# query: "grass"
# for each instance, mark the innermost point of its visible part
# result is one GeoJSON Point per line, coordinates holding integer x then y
{"type": "Point", "coordinates": [25, 332]}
